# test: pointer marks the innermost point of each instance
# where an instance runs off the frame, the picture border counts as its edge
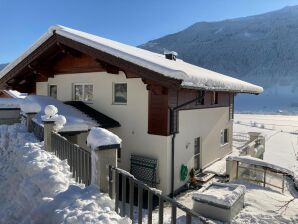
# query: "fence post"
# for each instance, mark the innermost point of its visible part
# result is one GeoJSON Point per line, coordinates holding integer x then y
{"type": "Point", "coordinates": [231, 169]}
{"type": "Point", "coordinates": [103, 157]}
{"type": "Point", "coordinates": [48, 128]}
{"type": "Point", "coordinates": [29, 121]}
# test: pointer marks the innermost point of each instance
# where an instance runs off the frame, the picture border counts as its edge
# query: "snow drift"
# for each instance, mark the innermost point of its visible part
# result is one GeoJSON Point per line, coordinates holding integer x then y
{"type": "Point", "coordinates": [37, 187]}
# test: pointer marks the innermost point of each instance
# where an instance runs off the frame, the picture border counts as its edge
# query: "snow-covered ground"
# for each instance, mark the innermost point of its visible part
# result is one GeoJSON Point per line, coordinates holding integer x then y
{"type": "Point", "coordinates": [37, 187]}
{"type": "Point", "coordinates": [263, 205]}
{"type": "Point", "coordinates": [281, 134]}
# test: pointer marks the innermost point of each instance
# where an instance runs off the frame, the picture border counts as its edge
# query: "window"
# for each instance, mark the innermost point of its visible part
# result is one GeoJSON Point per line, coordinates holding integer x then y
{"type": "Point", "coordinates": [53, 91]}
{"type": "Point", "coordinates": [120, 93]}
{"type": "Point", "coordinates": [201, 96]}
{"type": "Point", "coordinates": [83, 92]}
{"type": "Point", "coordinates": [215, 98]}
{"type": "Point", "coordinates": [224, 136]}
{"type": "Point", "coordinates": [231, 111]}
{"type": "Point", "coordinates": [119, 154]}
{"type": "Point", "coordinates": [197, 153]}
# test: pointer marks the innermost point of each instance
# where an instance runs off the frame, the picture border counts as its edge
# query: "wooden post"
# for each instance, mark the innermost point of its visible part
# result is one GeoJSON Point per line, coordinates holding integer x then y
{"type": "Point", "coordinates": [29, 121]}
{"type": "Point", "coordinates": [150, 207]}
{"type": "Point", "coordinates": [140, 203]}
{"type": "Point", "coordinates": [174, 214]}
{"type": "Point", "coordinates": [160, 211]}
{"type": "Point", "coordinates": [105, 156]}
{"type": "Point", "coordinates": [131, 197]}
{"type": "Point", "coordinates": [117, 191]}
{"type": "Point", "coordinates": [48, 129]}
{"type": "Point", "coordinates": [123, 195]}
{"type": "Point", "coordinates": [111, 182]}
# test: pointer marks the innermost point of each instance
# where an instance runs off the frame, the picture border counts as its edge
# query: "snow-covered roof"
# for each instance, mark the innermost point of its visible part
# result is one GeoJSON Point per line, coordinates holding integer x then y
{"type": "Point", "coordinates": [16, 94]}
{"type": "Point", "coordinates": [76, 120]}
{"type": "Point", "coordinates": [224, 194]}
{"type": "Point", "coordinates": [98, 137]}
{"type": "Point", "coordinates": [259, 162]}
{"type": "Point", "coordinates": [191, 76]}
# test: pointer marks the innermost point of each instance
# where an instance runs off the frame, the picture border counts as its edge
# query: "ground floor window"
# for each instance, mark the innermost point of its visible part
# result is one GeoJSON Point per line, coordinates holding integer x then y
{"type": "Point", "coordinates": [83, 92]}
{"type": "Point", "coordinates": [197, 153]}
{"type": "Point", "coordinates": [53, 91]}
{"type": "Point", "coordinates": [224, 136]}
{"type": "Point", "coordinates": [119, 93]}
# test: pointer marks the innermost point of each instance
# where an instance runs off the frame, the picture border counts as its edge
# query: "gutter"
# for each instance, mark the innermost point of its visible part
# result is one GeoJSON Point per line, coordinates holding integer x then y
{"type": "Point", "coordinates": [173, 130]}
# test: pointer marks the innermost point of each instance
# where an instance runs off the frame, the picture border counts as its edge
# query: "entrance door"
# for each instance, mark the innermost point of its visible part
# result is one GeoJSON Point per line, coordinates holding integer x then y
{"type": "Point", "coordinates": [197, 154]}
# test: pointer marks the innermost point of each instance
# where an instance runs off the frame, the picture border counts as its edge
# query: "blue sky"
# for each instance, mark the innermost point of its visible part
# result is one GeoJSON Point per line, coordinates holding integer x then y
{"type": "Point", "coordinates": [128, 21]}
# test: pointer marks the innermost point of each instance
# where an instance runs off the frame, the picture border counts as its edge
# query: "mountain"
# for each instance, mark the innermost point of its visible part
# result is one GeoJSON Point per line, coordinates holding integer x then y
{"type": "Point", "coordinates": [2, 66]}
{"type": "Point", "coordinates": [261, 49]}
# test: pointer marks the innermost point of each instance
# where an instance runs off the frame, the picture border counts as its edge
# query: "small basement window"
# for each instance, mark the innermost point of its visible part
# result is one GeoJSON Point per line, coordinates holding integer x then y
{"type": "Point", "coordinates": [52, 91]}
{"type": "Point", "coordinates": [119, 93]}
{"type": "Point", "coordinates": [83, 92]}
{"type": "Point", "coordinates": [224, 136]}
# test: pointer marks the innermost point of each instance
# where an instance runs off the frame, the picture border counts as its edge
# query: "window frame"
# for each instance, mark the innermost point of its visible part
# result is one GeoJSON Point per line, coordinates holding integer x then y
{"type": "Point", "coordinates": [215, 97]}
{"type": "Point", "coordinates": [83, 90]}
{"type": "Point", "coordinates": [113, 94]}
{"type": "Point", "coordinates": [197, 153]}
{"type": "Point", "coordinates": [49, 90]}
{"type": "Point", "coordinates": [201, 93]}
{"type": "Point", "coordinates": [224, 137]}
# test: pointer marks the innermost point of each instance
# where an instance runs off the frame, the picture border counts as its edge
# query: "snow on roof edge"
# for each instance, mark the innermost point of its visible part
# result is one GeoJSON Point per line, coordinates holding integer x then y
{"type": "Point", "coordinates": [210, 81]}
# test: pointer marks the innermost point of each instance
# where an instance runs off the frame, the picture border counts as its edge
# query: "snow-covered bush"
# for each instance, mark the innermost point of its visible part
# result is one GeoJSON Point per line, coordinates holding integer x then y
{"type": "Point", "coordinates": [100, 136]}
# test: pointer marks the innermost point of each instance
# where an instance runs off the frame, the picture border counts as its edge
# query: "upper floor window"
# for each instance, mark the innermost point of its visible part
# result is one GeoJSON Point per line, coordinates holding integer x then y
{"type": "Point", "coordinates": [83, 92]}
{"type": "Point", "coordinates": [224, 136]}
{"type": "Point", "coordinates": [120, 93]}
{"type": "Point", "coordinates": [201, 96]}
{"type": "Point", "coordinates": [215, 98]}
{"type": "Point", "coordinates": [53, 91]}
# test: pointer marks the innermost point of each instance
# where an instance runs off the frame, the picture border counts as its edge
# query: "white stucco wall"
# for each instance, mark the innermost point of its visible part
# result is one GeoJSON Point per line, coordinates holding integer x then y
{"type": "Point", "coordinates": [204, 123]}
{"type": "Point", "coordinates": [133, 117]}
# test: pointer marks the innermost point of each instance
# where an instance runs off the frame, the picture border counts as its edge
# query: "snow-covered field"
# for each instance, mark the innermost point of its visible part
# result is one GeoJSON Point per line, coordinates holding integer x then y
{"type": "Point", "coordinates": [37, 187]}
{"type": "Point", "coordinates": [281, 134]}
{"type": "Point", "coordinates": [263, 205]}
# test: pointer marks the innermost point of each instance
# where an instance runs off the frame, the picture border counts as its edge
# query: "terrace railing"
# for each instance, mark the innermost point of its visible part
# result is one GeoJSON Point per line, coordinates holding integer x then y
{"type": "Point", "coordinates": [78, 158]}
{"type": "Point", "coordinates": [37, 130]}
{"type": "Point", "coordinates": [260, 175]}
{"type": "Point", "coordinates": [114, 186]}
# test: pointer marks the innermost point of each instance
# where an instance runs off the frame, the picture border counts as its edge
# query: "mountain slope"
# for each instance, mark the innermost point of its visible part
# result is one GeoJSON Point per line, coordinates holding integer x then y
{"type": "Point", "coordinates": [2, 66]}
{"type": "Point", "coordinates": [262, 49]}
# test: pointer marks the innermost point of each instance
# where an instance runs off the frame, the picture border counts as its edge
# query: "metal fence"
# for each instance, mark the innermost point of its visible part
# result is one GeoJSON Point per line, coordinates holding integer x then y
{"type": "Point", "coordinates": [114, 186]}
{"type": "Point", "coordinates": [38, 130]}
{"type": "Point", "coordinates": [78, 158]}
{"type": "Point", "coordinates": [260, 175]}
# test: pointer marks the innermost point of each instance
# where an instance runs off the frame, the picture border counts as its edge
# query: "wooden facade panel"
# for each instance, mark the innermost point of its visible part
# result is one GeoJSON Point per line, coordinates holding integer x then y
{"type": "Point", "coordinates": [158, 112]}
{"type": "Point", "coordinates": [70, 64]}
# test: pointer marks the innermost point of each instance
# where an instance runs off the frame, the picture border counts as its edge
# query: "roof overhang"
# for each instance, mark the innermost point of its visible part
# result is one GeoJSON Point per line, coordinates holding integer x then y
{"type": "Point", "coordinates": [26, 69]}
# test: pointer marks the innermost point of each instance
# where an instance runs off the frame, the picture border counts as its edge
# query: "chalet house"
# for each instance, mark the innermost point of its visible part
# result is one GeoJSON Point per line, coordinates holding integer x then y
{"type": "Point", "coordinates": [169, 112]}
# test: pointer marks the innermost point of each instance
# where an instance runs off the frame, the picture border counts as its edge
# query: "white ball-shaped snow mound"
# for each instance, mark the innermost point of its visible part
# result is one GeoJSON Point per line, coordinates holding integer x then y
{"type": "Point", "coordinates": [50, 110]}
{"type": "Point", "coordinates": [60, 120]}
{"type": "Point", "coordinates": [30, 107]}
